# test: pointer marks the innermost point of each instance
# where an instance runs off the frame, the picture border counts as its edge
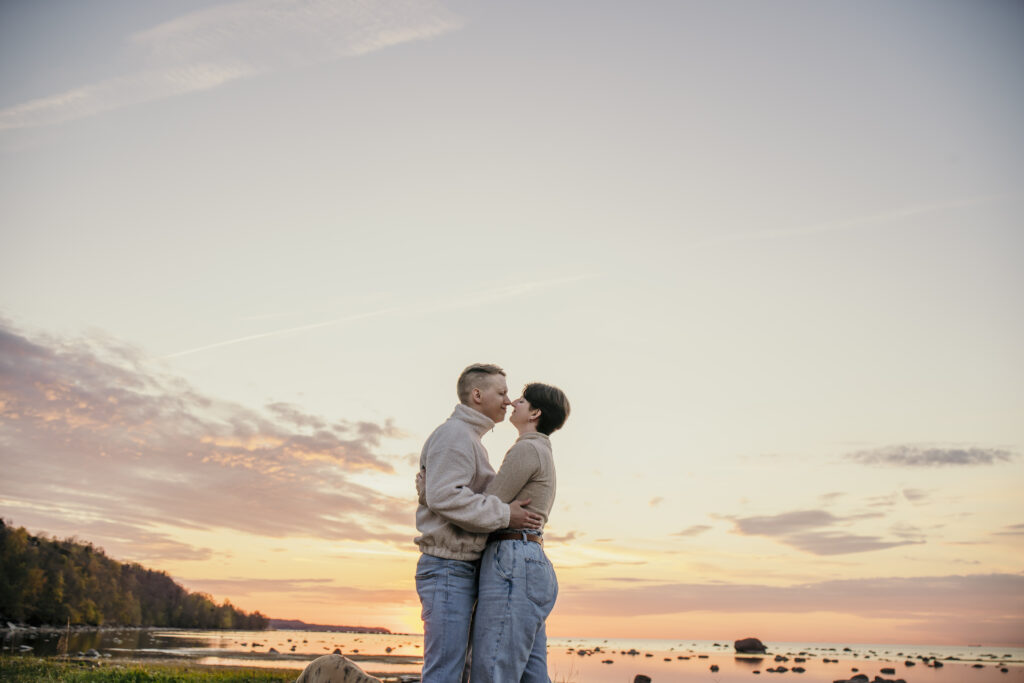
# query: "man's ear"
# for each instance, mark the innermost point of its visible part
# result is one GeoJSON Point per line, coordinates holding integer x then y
{"type": "Point", "coordinates": [475, 395]}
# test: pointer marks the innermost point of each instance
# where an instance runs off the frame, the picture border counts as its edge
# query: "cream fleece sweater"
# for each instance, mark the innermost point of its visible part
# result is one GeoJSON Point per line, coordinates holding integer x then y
{"type": "Point", "coordinates": [458, 516]}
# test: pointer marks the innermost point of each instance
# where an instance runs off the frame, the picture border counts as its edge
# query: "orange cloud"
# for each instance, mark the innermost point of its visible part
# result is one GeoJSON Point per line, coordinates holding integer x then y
{"type": "Point", "coordinates": [90, 434]}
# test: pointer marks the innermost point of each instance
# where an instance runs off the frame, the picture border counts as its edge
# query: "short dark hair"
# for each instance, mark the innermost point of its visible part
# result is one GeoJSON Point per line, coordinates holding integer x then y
{"type": "Point", "coordinates": [471, 376]}
{"type": "Point", "coordinates": [552, 404]}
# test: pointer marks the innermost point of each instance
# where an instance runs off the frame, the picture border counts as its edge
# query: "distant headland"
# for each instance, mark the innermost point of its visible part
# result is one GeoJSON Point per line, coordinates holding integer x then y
{"type": "Point", "coordinates": [297, 625]}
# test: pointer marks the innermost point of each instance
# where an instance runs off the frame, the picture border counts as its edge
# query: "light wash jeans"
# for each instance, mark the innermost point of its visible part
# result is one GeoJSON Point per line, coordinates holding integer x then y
{"type": "Point", "coordinates": [447, 590]}
{"type": "Point", "coordinates": [517, 591]}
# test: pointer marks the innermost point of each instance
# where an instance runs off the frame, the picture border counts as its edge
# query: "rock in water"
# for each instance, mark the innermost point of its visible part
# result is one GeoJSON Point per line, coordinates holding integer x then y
{"type": "Point", "coordinates": [334, 669]}
{"type": "Point", "coordinates": [750, 646]}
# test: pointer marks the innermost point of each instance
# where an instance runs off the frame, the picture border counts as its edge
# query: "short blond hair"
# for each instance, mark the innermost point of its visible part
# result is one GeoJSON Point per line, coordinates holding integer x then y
{"type": "Point", "coordinates": [472, 376]}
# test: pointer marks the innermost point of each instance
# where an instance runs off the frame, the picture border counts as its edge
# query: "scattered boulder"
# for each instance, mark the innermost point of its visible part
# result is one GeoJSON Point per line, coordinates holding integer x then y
{"type": "Point", "coordinates": [92, 653]}
{"type": "Point", "coordinates": [750, 646]}
{"type": "Point", "coordinates": [640, 678]}
{"type": "Point", "coordinates": [888, 670]}
{"type": "Point", "coordinates": [334, 669]}
{"type": "Point", "coordinates": [273, 651]}
{"type": "Point", "coordinates": [714, 667]}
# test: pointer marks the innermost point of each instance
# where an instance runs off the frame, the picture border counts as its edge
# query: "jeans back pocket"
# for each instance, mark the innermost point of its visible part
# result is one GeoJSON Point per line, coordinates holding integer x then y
{"type": "Point", "coordinates": [541, 584]}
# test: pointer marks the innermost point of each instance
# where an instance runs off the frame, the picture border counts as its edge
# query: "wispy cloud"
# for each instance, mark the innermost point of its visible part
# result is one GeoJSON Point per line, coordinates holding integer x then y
{"type": "Point", "coordinates": [915, 495]}
{"type": "Point", "coordinates": [809, 530]}
{"type": "Point", "coordinates": [693, 530]}
{"type": "Point", "coordinates": [918, 456]}
{"type": "Point", "coordinates": [785, 523]}
{"type": "Point", "coordinates": [217, 45]}
{"type": "Point", "coordinates": [89, 434]}
{"type": "Point", "coordinates": [838, 543]}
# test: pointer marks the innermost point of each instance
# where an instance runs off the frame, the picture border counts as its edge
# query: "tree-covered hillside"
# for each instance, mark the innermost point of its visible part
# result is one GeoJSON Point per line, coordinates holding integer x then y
{"type": "Point", "coordinates": [49, 581]}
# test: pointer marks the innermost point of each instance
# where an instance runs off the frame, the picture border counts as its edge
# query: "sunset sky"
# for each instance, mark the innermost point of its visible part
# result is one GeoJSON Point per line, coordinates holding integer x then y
{"type": "Point", "coordinates": [772, 251]}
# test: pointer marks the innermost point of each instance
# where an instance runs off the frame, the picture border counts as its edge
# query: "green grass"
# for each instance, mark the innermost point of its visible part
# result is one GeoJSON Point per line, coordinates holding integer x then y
{"type": "Point", "coordinates": [33, 669]}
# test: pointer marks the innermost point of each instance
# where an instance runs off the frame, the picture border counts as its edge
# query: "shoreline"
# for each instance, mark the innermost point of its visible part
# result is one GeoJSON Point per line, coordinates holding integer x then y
{"type": "Point", "coordinates": [397, 657]}
{"type": "Point", "coordinates": [717, 667]}
{"type": "Point", "coordinates": [9, 628]}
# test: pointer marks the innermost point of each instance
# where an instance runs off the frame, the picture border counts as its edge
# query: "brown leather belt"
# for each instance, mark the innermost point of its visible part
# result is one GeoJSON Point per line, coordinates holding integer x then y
{"type": "Point", "coordinates": [512, 536]}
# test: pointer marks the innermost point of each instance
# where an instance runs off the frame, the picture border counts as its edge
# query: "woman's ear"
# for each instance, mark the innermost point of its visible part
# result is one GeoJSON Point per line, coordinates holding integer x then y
{"type": "Point", "coordinates": [535, 415]}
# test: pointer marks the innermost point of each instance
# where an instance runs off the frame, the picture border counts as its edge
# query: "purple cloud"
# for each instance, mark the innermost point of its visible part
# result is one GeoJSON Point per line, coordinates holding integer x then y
{"type": "Point", "coordinates": [808, 530]}
{"type": "Point", "coordinates": [915, 456]}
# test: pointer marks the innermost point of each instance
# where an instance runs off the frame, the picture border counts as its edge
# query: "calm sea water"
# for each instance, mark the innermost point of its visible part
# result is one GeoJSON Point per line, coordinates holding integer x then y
{"type": "Point", "coordinates": [571, 660]}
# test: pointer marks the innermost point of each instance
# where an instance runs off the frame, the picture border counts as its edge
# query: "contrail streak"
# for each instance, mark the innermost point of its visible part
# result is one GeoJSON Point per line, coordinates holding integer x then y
{"type": "Point", "coordinates": [851, 223]}
{"type": "Point", "coordinates": [274, 333]}
{"type": "Point", "coordinates": [473, 300]}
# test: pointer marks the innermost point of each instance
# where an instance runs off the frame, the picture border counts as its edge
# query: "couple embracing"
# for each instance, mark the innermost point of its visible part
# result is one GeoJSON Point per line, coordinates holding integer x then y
{"type": "Point", "coordinates": [481, 535]}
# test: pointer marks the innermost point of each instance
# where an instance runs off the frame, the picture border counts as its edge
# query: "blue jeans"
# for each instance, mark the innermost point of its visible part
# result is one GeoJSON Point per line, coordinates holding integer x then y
{"type": "Point", "coordinates": [447, 590]}
{"type": "Point", "coordinates": [517, 591]}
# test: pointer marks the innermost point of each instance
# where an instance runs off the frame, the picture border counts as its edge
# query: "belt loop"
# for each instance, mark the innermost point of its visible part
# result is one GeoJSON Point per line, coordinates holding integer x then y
{"type": "Point", "coordinates": [525, 539]}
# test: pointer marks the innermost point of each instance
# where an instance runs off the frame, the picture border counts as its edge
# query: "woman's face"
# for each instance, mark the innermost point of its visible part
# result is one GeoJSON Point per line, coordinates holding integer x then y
{"type": "Point", "coordinates": [521, 410]}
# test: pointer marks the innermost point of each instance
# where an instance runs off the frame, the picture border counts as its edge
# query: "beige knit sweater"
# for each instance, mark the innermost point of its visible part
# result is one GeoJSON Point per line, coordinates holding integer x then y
{"type": "Point", "coordinates": [528, 471]}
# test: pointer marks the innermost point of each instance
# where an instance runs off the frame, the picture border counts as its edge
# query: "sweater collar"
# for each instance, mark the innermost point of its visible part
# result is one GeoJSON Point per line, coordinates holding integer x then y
{"type": "Point", "coordinates": [534, 435]}
{"type": "Point", "coordinates": [481, 423]}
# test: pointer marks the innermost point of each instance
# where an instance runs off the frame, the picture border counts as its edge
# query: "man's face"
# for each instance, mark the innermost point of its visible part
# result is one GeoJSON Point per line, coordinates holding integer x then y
{"type": "Point", "coordinates": [494, 397]}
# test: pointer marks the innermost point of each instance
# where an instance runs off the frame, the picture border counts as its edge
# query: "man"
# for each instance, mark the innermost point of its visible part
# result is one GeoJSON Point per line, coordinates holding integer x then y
{"type": "Point", "coordinates": [456, 519]}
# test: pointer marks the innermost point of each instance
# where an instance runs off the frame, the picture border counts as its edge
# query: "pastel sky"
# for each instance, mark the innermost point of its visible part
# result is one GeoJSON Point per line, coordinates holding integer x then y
{"type": "Point", "coordinates": [772, 251]}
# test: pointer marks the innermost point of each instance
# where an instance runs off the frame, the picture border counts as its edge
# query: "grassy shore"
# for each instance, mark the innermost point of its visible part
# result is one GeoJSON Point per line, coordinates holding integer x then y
{"type": "Point", "coordinates": [32, 669]}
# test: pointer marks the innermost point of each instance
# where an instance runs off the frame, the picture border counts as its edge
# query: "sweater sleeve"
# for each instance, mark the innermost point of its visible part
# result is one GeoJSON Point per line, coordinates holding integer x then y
{"type": "Point", "coordinates": [521, 463]}
{"type": "Point", "coordinates": [449, 471]}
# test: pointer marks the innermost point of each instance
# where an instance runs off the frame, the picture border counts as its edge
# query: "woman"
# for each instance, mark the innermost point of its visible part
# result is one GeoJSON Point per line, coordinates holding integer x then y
{"type": "Point", "coordinates": [517, 583]}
